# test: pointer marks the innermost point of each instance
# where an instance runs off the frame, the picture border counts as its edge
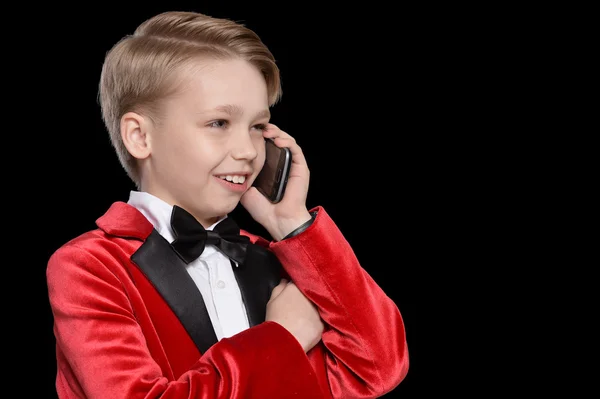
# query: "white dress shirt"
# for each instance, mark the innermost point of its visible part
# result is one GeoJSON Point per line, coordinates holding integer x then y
{"type": "Point", "coordinates": [212, 271]}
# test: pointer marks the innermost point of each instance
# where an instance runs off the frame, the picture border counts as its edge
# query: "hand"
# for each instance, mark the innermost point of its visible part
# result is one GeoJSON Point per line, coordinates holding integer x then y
{"type": "Point", "coordinates": [282, 218]}
{"type": "Point", "coordinates": [290, 308]}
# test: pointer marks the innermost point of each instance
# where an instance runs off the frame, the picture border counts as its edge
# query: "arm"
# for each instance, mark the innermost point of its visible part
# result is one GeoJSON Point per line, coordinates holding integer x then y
{"type": "Point", "coordinates": [103, 352]}
{"type": "Point", "coordinates": [366, 354]}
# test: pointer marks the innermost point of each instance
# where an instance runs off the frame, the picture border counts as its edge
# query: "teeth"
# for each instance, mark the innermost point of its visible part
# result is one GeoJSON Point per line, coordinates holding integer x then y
{"type": "Point", "coordinates": [234, 179]}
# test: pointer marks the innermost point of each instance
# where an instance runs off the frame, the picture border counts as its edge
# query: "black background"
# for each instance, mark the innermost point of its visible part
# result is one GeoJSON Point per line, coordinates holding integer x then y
{"type": "Point", "coordinates": [374, 95]}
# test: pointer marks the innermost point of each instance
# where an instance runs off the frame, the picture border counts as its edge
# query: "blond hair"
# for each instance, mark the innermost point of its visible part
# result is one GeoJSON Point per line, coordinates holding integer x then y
{"type": "Point", "coordinates": [141, 69]}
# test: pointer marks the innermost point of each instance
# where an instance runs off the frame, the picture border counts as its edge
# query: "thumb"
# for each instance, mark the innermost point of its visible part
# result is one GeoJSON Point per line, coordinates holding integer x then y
{"type": "Point", "coordinates": [255, 203]}
{"type": "Point", "coordinates": [280, 287]}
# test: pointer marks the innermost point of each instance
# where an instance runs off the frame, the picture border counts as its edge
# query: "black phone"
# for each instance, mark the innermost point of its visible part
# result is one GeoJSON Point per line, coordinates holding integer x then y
{"type": "Point", "coordinates": [272, 179]}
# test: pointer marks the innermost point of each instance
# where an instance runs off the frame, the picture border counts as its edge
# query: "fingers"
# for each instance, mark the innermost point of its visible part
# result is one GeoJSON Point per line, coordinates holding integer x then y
{"type": "Point", "coordinates": [283, 139]}
{"type": "Point", "coordinates": [279, 136]}
{"type": "Point", "coordinates": [279, 288]}
{"type": "Point", "coordinates": [272, 131]}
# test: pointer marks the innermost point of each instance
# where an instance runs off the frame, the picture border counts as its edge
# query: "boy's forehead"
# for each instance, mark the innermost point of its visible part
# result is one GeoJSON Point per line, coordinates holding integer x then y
{"type": "Point", "coordinates": [238, 110]}
{"type": "Point", "coordinates": [232, 87]}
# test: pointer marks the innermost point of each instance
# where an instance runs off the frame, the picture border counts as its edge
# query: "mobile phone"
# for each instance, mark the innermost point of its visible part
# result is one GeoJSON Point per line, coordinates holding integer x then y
{"type": "Point", "coordinates": [272, 179]}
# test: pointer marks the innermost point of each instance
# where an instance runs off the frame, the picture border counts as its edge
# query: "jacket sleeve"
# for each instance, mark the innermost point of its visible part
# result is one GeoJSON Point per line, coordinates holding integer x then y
{"type": "Point", "coordinates": [365, 351]}
{"type": "Point", "coordinates": [102, 352]}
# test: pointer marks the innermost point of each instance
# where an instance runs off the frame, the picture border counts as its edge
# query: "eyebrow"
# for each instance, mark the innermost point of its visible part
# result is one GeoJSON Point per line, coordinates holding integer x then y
{"type": "Point", "coordinates": [234, 110]}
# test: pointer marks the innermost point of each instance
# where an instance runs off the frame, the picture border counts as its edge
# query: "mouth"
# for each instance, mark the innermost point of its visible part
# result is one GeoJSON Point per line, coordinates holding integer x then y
{"type": "Point", "coordinates": [235, 179]}
{"type": "Point", "coordinates": [237, 183]}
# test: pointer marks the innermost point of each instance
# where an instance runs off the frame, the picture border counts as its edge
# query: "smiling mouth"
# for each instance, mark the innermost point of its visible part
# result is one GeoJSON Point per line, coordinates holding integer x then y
{"type": "Point", "coordinates": [237, 179]}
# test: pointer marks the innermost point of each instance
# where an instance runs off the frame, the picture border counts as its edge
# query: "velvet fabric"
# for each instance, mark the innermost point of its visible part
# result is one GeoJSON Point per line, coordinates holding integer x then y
{"type": "Point", "coordinates": [119, 333]}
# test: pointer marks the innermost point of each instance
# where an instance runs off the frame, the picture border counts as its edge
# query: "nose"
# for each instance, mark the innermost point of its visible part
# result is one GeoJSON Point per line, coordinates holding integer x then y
{"type": "Point", "coordinates": [244, 146]}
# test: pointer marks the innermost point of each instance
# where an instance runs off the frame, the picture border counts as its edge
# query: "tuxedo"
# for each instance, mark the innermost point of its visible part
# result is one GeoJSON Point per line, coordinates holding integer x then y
{"type": "Point", "coordinates": [212, 271]}
{"type": "Point", "coordinates": [129, 321]}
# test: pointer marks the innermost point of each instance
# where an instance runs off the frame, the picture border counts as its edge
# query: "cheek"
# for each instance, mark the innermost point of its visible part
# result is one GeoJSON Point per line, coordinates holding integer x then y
{"type": "Point", "coordinates": [177, 154]}
{"type": "Point", "coordinates": [185, 146]}
{"type": "Point", "coordinates": [169, 141]}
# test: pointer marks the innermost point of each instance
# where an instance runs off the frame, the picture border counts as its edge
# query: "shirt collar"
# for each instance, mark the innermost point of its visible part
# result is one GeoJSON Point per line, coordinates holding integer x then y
{"type": "Point", "coordinates": [158, 212]}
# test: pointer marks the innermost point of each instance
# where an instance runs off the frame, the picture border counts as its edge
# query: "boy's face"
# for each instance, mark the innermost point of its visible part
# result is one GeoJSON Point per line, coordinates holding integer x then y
{"type": "Point", "coordinates": [209, 146]}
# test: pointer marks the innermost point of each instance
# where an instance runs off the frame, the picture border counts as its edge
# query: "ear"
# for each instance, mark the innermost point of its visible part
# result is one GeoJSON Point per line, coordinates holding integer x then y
{"type": "Point", "coordinates": [135, 135]}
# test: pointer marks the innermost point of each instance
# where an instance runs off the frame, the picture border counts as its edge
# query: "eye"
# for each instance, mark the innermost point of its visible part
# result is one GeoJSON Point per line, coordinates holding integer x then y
{"type": "Point", "coordinates": [219, 124]}
{"type": "Point", "coordinates": [262, 127]}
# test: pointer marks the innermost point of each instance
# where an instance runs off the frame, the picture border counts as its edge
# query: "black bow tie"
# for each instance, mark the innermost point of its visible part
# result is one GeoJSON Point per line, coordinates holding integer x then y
{"type": "Point", "coordinates": [191, 237]}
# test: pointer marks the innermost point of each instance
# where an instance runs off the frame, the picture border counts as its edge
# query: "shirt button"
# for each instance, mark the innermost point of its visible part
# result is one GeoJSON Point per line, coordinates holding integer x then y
{"type": "Point", "coordinates": [221, 284]}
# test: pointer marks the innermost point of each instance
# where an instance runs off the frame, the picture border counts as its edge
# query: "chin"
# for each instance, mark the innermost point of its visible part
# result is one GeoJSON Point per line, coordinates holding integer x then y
{"type": "Point", "coordinates": [227, 207]}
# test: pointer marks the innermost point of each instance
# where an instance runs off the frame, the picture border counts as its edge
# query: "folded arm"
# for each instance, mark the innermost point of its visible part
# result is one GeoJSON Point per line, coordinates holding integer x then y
{"type": "Point", "coordinates": [103, 352]}
{"type": "Point", "coordinates": [364, 338]}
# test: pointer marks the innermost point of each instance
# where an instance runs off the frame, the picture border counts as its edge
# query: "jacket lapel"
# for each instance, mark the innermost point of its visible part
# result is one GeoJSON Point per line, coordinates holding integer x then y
{"type": "Point", "coordinates": [166, 271]}
{"type": "Point", "coordinates": [257, 277]}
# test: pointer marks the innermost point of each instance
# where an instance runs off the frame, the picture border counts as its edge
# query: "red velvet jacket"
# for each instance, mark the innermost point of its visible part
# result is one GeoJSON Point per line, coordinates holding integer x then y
{"type": "Point", "coordinates": [130, 324]}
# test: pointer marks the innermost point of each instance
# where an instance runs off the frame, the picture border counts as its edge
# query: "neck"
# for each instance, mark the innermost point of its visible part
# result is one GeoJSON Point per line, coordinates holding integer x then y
{"type": "Point", "coordinates": [206, 220]}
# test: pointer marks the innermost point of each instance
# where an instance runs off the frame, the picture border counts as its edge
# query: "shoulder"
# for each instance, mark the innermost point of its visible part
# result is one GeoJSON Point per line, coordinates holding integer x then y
{"type": "Point", "coordinates": [119, 233]}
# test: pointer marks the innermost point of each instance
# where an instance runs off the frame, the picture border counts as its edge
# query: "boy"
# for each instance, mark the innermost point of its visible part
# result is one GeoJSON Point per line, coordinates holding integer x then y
{"type": "Point", "coordinates": [168, 297]}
